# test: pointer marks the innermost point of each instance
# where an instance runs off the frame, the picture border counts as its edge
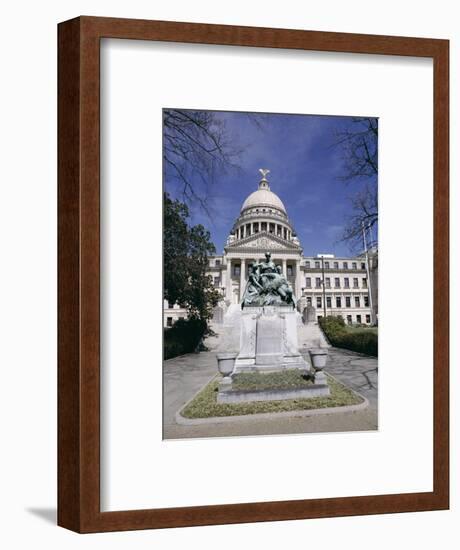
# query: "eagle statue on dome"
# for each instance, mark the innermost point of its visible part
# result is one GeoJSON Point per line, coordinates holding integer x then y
{"type": "Point", "coordinates": [264, 172]}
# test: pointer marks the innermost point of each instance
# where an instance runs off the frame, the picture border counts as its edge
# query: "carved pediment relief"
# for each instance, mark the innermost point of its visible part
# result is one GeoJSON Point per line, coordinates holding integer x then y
{"type": "Point", "coordinates": [263, 241]}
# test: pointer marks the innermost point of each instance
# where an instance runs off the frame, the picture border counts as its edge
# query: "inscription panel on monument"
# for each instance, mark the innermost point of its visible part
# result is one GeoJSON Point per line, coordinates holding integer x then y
{"type": "Point", "coordinates": [268, 340]}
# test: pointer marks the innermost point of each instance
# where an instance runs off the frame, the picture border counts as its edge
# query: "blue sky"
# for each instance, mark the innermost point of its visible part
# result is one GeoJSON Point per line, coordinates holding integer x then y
{"type": "Point", "coordinates": [305, 169]}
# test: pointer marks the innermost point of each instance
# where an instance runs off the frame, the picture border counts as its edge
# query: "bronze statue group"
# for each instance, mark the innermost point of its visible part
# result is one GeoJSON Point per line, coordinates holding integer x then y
{"type": "Point", "coordinates": [267, 286]}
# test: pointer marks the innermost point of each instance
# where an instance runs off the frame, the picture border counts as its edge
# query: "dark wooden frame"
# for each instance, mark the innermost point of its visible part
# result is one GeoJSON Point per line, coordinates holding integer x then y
{"type": "Point", "coordinates": [78, 288]}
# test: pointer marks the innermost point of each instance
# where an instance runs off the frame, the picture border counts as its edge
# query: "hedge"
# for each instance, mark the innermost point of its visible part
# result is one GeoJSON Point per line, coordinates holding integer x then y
{"type": "Point", "coordinates": [360, 340]}
{"type": "Point", "coordinates": [183, 337]}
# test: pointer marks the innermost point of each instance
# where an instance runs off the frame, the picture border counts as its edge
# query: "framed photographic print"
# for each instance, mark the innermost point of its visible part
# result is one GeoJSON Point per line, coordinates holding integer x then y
{"type": "Point", "coordinates": [253, 274]}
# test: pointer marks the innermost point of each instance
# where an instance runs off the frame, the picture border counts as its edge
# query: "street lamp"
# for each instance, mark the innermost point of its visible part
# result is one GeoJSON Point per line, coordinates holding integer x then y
{"type": "Point", "coordinates": [368, 273]}
{"type": "Point", "coordinates": [324, 286]}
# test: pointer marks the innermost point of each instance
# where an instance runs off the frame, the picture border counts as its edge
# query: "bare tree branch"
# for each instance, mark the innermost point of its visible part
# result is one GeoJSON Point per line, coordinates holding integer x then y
{"type": "Point", "coordinates": [196, 147]}
{"type": "Point", "coordinates": [359, 147]}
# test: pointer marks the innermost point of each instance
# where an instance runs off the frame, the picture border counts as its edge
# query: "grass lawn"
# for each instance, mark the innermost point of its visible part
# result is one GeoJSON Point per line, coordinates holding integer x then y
{"type": "Point", "coordinates": [288, 379]}
{"type": "Point", "coordinates": [205, 405]}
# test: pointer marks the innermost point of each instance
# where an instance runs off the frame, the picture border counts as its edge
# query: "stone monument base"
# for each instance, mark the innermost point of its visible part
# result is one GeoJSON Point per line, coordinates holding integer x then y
{"type": "Point", "coordinates": [268, 340]}
{"type": "Point", "coordinates": [228, 395]}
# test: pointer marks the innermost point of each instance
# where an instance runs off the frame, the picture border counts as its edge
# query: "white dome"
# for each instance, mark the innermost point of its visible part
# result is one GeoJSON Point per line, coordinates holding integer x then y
{"type": "Point", "coordinates": [263, 198]}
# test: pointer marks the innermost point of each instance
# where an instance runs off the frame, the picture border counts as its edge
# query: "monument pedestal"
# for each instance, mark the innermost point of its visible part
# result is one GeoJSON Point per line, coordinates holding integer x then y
{"type": "Point", "coordinates": [268, 340]}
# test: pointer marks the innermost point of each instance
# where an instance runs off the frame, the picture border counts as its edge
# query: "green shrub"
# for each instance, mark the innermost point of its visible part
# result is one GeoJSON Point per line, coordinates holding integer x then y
{"type": "Point", "coordinates": [362, 342]}
{"type": "Point", "coordinates": [183, 337]}
{"type": "Point", "coordinates": [359, 340]}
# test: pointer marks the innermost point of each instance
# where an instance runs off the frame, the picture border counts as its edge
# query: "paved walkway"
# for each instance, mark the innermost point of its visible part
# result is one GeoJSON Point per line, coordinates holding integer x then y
{"type": "Point", "coordinates": [184, 376]}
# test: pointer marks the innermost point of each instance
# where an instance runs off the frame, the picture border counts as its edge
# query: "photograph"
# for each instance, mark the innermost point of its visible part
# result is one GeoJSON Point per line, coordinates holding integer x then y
{"type": "Point", "coordinates": [270, 273]}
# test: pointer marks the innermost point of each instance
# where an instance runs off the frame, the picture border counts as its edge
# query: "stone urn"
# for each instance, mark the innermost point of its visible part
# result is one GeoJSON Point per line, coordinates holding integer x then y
{"type": "Point", "coordinates": [318, 358]}
{"type": "Point", "coordinates": [225, 365]}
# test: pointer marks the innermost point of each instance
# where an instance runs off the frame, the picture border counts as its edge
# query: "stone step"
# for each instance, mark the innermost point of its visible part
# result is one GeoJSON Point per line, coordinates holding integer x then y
{"type": "Point", "coordinates": [213, 342]}
{"type": "Point", "coordinates": [311, 336]}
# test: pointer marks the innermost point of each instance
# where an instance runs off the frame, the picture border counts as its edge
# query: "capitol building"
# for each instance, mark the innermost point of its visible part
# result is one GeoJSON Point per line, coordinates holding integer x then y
{"type": "Point", "coordinates": [332, 285]}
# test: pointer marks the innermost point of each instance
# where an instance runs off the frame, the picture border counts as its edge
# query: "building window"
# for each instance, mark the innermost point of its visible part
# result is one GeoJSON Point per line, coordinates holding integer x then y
{"type": "Point", "coordinates": [337, 282]}
{"type": "Point", "coordinates": [278, 231]}
{"type": "Point", "coordinates": [364, 282]}
{"type": "Point", "coordinates": [358, 319]}
{"type": "Point", "coordinates": [308, 282]}
{"type": "Point", "coordinates": [363, 265]}
{"type": "Point", "coordinates": [309, 301]}
{"type": "Point", "coordinates": [355, 282]}
{"type": "Point", "coordinates": [336, 265]}
{"type": "Point", "coordinates": [272, 228]}
{"type": "Point", "coordinates": [318, 282]}
{"type": "Point", "coordinates": [264, 226]}
{"type": "Point", "coordinates": [170, 305]}
{"type": "Point", "coordinates": [216, 281]}
{"type": "Point", "coordinates": [318, 302]}
{"type": "Point", "coordinates": [347, 301]}
{"type": "Point", "coordinates": [346, 282]}
{"type": "Point", "coordinates": [285, 233]}
{"type": "Point", "coordinates": [338, 301]}
{"type": "Point", "coordinates": [169, 321]}
{"type": "Point", "coordinates": [368, 319]}
{"type": "Point", "coordinates": [237, 269]}
{"type": "Point", "coordinates": [345, 265]}
{"type": "Point", "coordinates": [307, 264]}
{"type": "Point", "coordinates": [290, 271]}
{"type": "Point", "coordinates": [349, 319]}
{"type": "Point", "coordinates": [366, 301]}
{"type": "Point", "coordinates": [328, 282]}
{"type": "Point", "coordinates": [357, 304]}
{"type": "Point", "coordinates": [326, 265]}
{"type": "Point", "coordinates": [353, 265]}
{"type": "Point", "coordinates": [217, 262]}
{"type": "Point", "coordinates": [317, 265]}
{"type": "Point", "coordinates": [328, 301]}
{"type": "Point", "coordinates": [248, 229]}
{"type": "Point", "coordinates": [256, 228]}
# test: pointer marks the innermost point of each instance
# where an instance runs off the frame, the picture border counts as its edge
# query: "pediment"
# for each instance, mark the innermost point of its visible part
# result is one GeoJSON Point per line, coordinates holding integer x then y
{"type": "Point", "coordinates": [262, 241]}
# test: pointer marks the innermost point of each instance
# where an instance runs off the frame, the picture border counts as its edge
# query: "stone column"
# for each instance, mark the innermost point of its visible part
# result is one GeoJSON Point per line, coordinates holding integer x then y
{"type": "Point", "coordinates": [298, 283]}
{"type": "Point", "coordinates": [242, 278]}
{"type": "Point", "coordinates": [228, 281]}
{"type": "Point", "coordinates": [285, 267]}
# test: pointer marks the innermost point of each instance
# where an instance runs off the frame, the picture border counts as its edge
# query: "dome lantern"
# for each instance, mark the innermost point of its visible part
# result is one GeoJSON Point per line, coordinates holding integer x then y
{"type": "Point", "coordinates": [264, 198]}
{"type": "Point", "coordinates": [263, 183]}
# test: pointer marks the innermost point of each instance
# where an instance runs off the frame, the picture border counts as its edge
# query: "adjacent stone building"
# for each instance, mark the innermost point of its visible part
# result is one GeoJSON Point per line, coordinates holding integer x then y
{"type": "Point", "coordinates": [263, 225]}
